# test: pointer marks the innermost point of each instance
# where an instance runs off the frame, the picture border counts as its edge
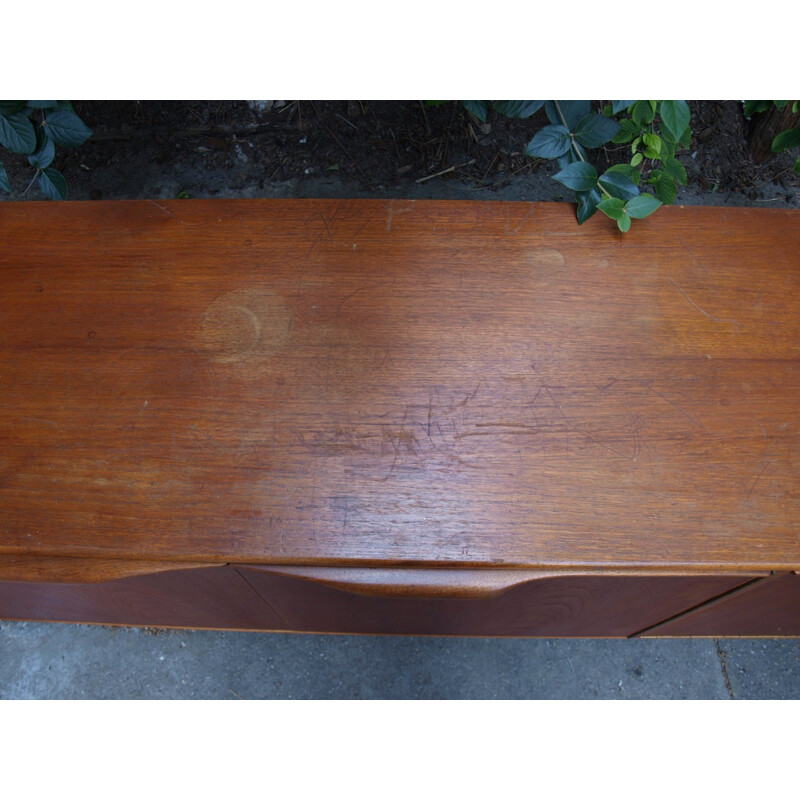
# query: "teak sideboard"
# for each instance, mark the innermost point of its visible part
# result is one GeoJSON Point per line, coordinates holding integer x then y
{"type": "Point", "coordinates": [431, 417]}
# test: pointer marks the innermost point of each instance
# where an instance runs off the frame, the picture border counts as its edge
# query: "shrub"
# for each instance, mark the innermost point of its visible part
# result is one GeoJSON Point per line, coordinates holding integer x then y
{"type": "Point", "coordinates": [34, 128]}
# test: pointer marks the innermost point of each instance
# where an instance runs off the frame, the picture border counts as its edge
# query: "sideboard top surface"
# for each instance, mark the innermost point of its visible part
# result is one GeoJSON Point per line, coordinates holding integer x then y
{"type": "Point", "coordinates": [397, 382]}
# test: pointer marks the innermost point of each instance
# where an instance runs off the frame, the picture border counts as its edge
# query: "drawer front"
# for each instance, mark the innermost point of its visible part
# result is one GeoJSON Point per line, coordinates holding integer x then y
{"type": "Point", "coordinates": [205, 597]}
{"type": "Point", "coordinates": [369, 601]}
{"type": "Point", "coordinates": [418, 602]}
{"type": "Point", "coordinates": [768, 607]}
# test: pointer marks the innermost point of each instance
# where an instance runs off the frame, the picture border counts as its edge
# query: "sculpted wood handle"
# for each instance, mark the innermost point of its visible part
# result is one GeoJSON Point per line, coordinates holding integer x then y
{"type": "Point", "coordinates": [410, 583]}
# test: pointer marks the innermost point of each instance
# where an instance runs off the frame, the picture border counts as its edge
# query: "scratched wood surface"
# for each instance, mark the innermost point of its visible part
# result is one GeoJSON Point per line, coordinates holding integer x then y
{"type": "Point", "coordinates": [393, 382]}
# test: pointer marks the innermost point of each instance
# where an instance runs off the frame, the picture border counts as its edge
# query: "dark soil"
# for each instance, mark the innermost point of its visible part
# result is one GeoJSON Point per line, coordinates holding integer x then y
{"type": "Point", "coordinates": [227, 148]}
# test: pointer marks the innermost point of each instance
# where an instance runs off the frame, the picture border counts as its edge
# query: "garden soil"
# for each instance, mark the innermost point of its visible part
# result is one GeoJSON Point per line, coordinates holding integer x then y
{"type": "Point", "coordinates": [402, 149]}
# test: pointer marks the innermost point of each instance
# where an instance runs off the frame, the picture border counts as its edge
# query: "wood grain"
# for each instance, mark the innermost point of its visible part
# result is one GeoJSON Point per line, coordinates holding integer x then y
{"type": "Point", "coordinates": [550, 605]}
{"type": "Point", "coordinates": [215, 597]}
{"type": "Point", "coordinates": [372, 383]}
{"type": "Point", "coordinates": [769, 607]}
{"type": "Point", "coordinates": [22, 567]}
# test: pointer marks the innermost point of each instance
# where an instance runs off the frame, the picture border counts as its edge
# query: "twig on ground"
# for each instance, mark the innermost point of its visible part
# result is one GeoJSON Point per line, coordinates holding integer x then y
{"type": "Point", "coordinates": [488, 169]}
{"type": "Point", "coordinates": [278, 168]}
{"type": "Point", "coordinates": [347, 121]}
{"type": "Point", "coordinates": [445, 171]}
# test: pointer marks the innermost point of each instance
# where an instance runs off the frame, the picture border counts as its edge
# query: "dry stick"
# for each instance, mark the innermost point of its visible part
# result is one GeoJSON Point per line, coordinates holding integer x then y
{"type": "Point", "coordinates": [425, 117]}
{"type": "Point", "coordinates": [496, 156]}
{"type": "Point", "coordinates": [444, 171]}
{"type": "Point", "coordinates": [347, 121]}
{"type": "Point", "coordinates": [344, 149]}
{"type": "Point", "coordinates": [278, 168]}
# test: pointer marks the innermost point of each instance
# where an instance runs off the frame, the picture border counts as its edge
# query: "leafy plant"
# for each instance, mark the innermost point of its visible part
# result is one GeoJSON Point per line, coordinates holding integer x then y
{"type": "Point", "coordinates": [785, 140]}
{"type": "Point", "coordinates": [655, 130]}
{"type": "Point", "coordinates": [34, 128]}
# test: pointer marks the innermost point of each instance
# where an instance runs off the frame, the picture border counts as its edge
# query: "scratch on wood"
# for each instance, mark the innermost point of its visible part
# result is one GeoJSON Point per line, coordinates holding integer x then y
{"type": "Point", "coordinates": [702, 311]}
{"type": "Point", "coordinates": [757, 479]}
{"type": "Point", "coordinates": [170, 214]}
{"type": "Point", "coordinates": [502, 425]}
{"type": "Point", "coordinates": [669, 402]}
{"type": "Point", "coordinates": [392, 213]}
{"type": "Point", "coordinates": [471, 397]}
{"type": "Point", "coordinates": [352, 294]}
{"type": "Point", "coordinates": [519, 227]}
{"type": "Point", "coordinates": [571, 427]}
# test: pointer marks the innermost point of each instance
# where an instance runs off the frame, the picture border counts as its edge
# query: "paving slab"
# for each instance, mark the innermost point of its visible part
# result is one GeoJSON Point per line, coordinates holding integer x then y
{"type": "Point", "coordinates": [762, 669]}
{"type": "Point", "coordinates": [48, 660]}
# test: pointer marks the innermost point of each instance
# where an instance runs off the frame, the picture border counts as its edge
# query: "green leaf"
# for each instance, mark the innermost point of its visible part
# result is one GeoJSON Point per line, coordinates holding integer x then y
{"type": "Point", "coordinates": [664, 186]}
{"type": "Point", "coordinates": [628, 170]}
{"type": "Point", "coordinates": [65, 104]}
{"type": "Point", "coordinates": [4, 184]}
{"type": "Point", "coordinates": [618, 185]}
{"type": "Point", "coordinates": [795, 106]}
{"type": "Point", "coordinates": [781, 103]}
{"type": "Point", "coordinates": [17, 133]}
{"type": "Point", "coordinates": [624, 223]}
{"type": "Point", "coordinates": [755, 106]}
{"type": "Point", "coordinates": [797, 167]}
{"type": "Point", "coordinates": [621, 105]}
{"type": "Point", "coordinates": [66, 128]}
{"type": "Point", "coordinates": [42, 103]}
{"type": "Point", "coordinates": [642, 113]}
{"type": "Point", "coordinates": [550, 142]}
{"type": "Point", "coordinates": [11, 107]}
{"type": "Point", "coordinates": [480, 108]}
{"type": "Point", "coordinates": [580, 176]}
{"type": "Point", "coordinates": [686, 137]}
{"type": "Point", "coordinates": [573, 111]}
{"type": "Point", "coordinates": [517, 109]}
{"type": "Point", "coordinates": [571, 156]}
{"type": "Point", "coordinates": [612, 207]}
{"type": "Point", "coordinates": [667, 149]}
{"type": "Point", "coordinates": [675, 170]}
{"type": "Point", "coordinates": [595, 130]}
{"type": "Point", "coordinates": [587, 204]}
{"type": "Point", "coordinates": [652, 142]}
{"type": "Point", "coordinates": [637, 159]}
{"type": "Point", "coordinates": [53, 184]}
{"type": "Point", "coordinates": [642, 206]}
{"type": "Point", "coordinates": [430, 103]}
{"type": "Point", "coordinates": [786, 140]}
{"type": "Point", "coordinates": [44, 157]}
{"type": "Point", "coordinates": [628, 131]}
{"type": "Point", "coordinates": [675, 116]}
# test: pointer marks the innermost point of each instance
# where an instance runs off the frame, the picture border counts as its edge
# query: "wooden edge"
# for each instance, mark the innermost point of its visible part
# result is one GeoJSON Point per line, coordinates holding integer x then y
{"type": "Point", "coordinates": [44, 569]}
{"type": "Point", "coordinates": [379, 582]}
{"type": "Point", "coordinates": [407, 581]}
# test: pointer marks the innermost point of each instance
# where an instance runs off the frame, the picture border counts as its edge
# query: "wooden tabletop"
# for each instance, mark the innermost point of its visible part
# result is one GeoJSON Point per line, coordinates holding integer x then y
{"type": "Point", "coordinates": [371, 382]}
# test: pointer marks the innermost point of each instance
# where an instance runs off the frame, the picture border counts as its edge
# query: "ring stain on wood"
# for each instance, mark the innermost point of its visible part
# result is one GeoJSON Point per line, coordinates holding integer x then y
{"type": "Point", "coordinates": [244, 324]}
